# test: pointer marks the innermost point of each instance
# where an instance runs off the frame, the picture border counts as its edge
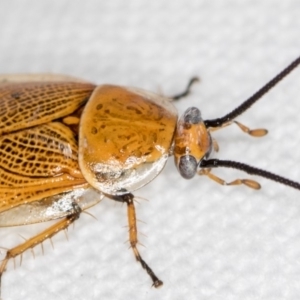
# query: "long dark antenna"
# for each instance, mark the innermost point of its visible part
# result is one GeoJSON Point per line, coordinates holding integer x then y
{"type": "Point", "coordinates": [249, 102]}
{"type": "Point", "coordinates": [215, 163]}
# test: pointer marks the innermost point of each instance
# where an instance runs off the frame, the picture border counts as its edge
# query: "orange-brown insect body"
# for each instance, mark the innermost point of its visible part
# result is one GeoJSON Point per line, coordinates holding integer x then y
{"type": "Point", "coordinates": [125, 138]}
{"type": "Point", "coordinates": [64, 143]}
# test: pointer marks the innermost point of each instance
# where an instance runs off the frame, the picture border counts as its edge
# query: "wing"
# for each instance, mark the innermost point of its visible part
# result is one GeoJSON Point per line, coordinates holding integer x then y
{"type": "Point", "coordinates": [38, 152]}
{"type": "Point", "coordinates": [51, 208]}
{"type": "Point", "coordinates": [27, 104]}
{"type": "Point", "coordinates": [36, 163]}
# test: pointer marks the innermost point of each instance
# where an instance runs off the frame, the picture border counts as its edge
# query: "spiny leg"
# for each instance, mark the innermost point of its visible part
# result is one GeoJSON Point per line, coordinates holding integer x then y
{"type": "Point", "coordinates": [248, 182]}
{"type": "Point", "coordinates": [133, 239]}
{"type": "Point", "coordinates": [259, 132]}
{"type": "Point", "coordinates": [39, 238]}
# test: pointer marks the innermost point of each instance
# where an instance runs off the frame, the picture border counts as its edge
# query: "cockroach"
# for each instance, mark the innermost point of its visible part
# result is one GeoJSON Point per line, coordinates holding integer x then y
{"type": "Point", "coordinates": [66, 143]}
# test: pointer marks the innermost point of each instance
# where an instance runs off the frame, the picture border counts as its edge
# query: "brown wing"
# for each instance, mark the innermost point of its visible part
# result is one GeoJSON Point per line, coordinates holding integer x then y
{"type": "Point", "coordinates": [23, 105]}
{"type": "Point", "coordinates": [36, 163]}
{"type": "Point", "coordinates": [51, 208]}
{"type": "Point", "coordinates": [38, 155]}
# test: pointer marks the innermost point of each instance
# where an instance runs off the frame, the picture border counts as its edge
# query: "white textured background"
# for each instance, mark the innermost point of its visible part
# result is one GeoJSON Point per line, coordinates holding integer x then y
{"type": "Point", "coordinates": [203, 240]}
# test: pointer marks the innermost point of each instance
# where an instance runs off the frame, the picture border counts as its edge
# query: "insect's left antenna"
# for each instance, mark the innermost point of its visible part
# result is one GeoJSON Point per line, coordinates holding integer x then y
{"type": "Point", "coordinates": [249, 102]}
{"type": "Point", "coordinates": [215, 163]}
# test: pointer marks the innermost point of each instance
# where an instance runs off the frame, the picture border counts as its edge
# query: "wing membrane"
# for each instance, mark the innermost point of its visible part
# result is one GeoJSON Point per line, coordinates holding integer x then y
{"type": "Point", "coordinates": [41, 151]}
{"type": "Point", "coordinates": [40, 178]}
{"type": "Point", "coordinates": [37, 163]}
{"type": "Point", "coordinates": [23, 105]}
{"type": "Point", "coordinates": [51, 208]}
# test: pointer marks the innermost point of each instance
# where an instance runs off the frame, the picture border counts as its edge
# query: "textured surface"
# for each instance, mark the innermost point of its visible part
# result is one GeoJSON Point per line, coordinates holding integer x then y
{"type": "Point", "coordinates": [203, 240]}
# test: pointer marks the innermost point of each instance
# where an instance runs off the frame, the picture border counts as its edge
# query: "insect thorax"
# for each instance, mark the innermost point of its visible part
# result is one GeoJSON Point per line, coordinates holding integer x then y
{"type": "Point", "coordinates": [125, 138]}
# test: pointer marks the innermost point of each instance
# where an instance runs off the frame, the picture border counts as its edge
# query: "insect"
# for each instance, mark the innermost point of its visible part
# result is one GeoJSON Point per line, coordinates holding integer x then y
{"type": "Point", "coordinates": [65, 144]}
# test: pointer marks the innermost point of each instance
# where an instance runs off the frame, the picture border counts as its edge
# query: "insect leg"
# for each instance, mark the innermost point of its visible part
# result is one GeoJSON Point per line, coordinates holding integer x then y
{"type": "Point", "coordinates": [259, 132]}
{"type": "Point", "coordinates": [248, 182]}
{"type": "Point", "coordinates": [39, 238]}
{"type": "Point", "coordinates": [128, 199]}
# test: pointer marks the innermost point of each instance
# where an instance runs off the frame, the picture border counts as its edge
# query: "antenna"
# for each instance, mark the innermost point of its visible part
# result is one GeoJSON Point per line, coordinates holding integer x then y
{"type": "Point", "coordinates": [215, 163]}
{"type": "Point", "coordinates": [249, 102]}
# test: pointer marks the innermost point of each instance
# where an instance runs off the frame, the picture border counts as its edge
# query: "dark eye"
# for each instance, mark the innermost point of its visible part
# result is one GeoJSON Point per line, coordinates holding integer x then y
{"type": "Point", "coordinates": [192, 116]}
{"type": "Point", "coordinates": [187, 166]}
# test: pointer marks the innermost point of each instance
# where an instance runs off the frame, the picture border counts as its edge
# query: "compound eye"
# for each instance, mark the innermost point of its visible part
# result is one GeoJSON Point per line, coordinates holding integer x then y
{"type": "Point", "coordinates": [192, 116]}
{"type": "Point", "coordinates": [187, 166]}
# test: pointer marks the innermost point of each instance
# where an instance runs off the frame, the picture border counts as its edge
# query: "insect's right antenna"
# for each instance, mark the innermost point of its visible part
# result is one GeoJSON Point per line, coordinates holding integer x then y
{"type": "Point", "coordinates": [249, 102]}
